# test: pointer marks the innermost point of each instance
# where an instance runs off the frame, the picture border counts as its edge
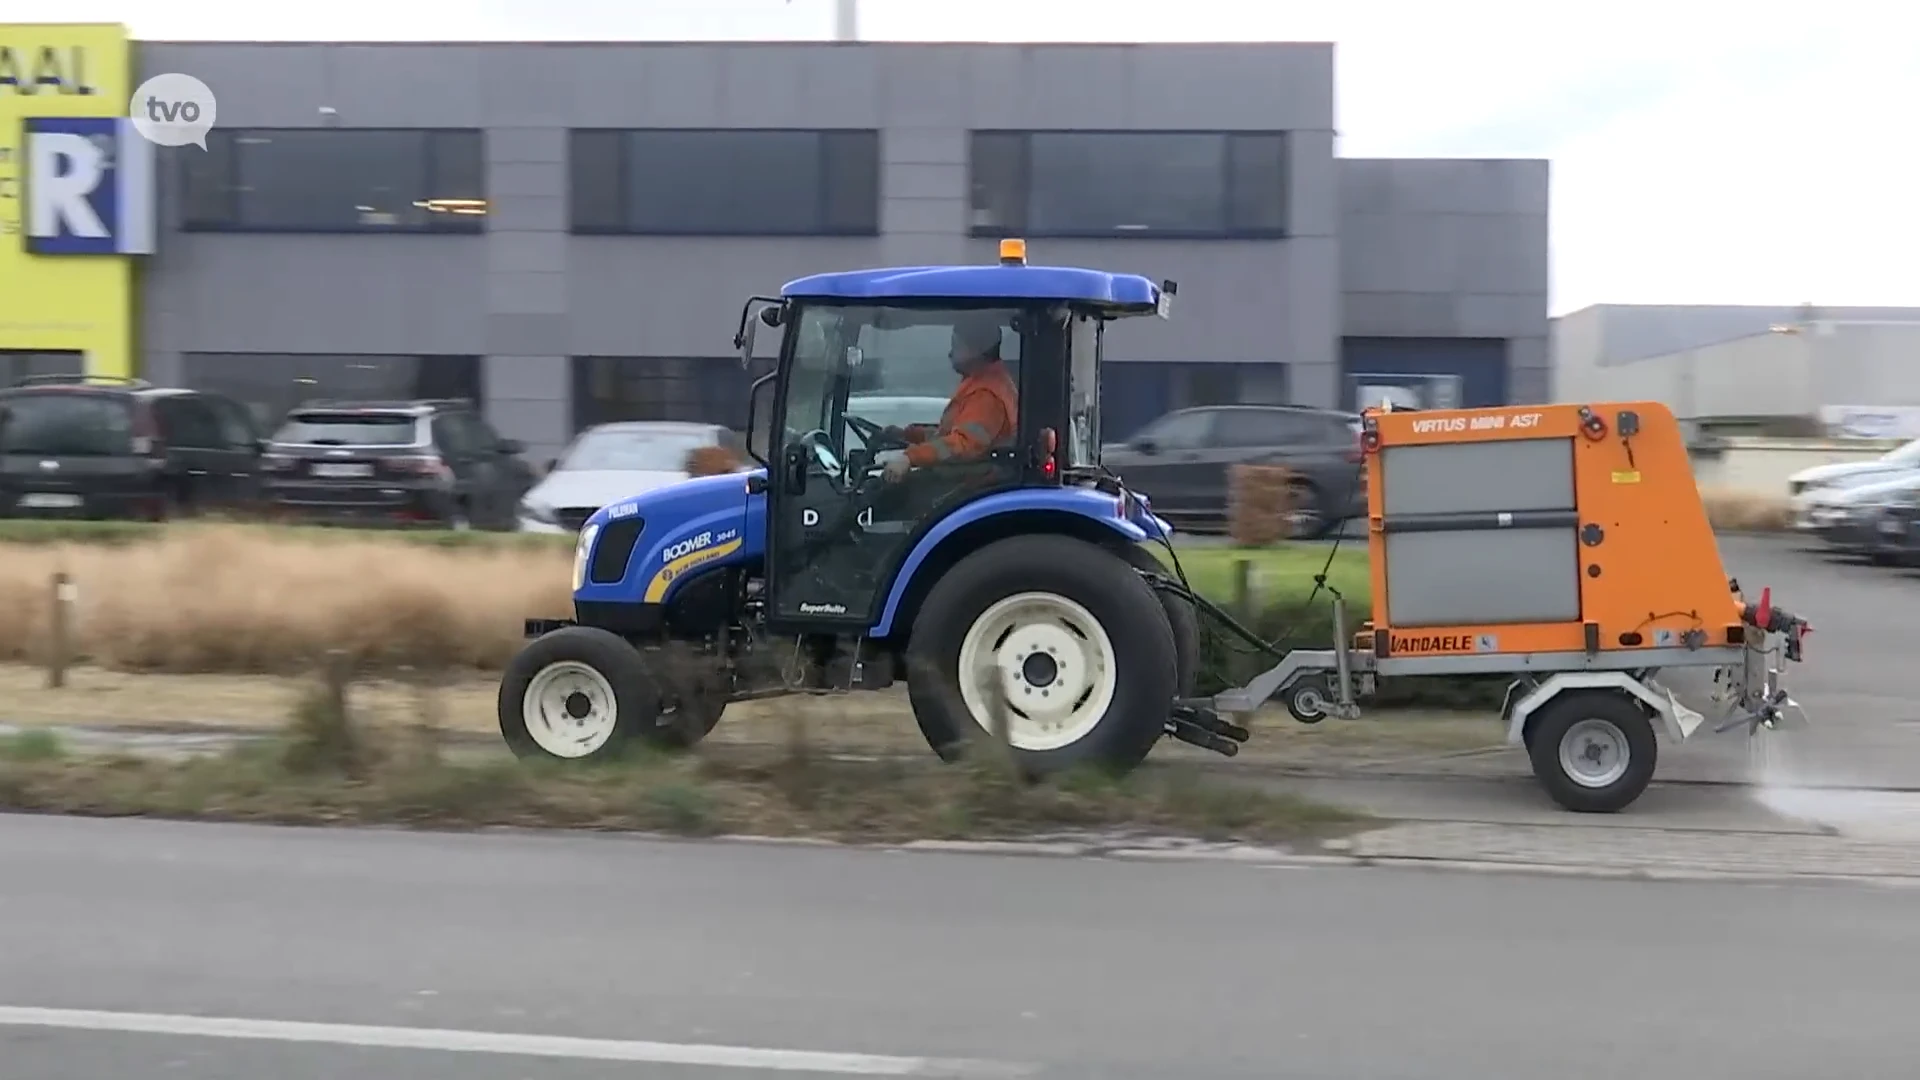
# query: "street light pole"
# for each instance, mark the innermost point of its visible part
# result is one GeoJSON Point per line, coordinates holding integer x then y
{"type": "Point", "coordinates": [846, 20]}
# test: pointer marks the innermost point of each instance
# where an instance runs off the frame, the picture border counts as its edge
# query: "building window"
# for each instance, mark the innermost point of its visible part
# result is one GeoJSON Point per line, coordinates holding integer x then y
{"type": "Point", "coordinates": [273, 384]}
{"type": "Point", "coordinates": [677, 182]}
{"type": "Point", "coordinates": [17, 364]}
{"type": "Point", "coordinates": [1178, 184]}
{"type": "Point", "coordinates": [1135, 392]}
{"type": "Point", "coordinates": [335, 180]}
{"type": "Point", "coordinates": [703, 390]}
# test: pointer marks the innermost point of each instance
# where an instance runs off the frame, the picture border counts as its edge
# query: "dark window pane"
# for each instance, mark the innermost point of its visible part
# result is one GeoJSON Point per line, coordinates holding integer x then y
{"type": "Point", "coordinates": [272, 384]}
{"type": "Point", "coordinates": [699, 389]}
{"type": "Point", "coordinates": [999, 181]}
{"type": "Point", "coordinates": [850, 181]}
{"type": "Point", "coordinates": [348, 180]}
{"type": "Point", "coordinates": [349, 429]}
{"type": "Point", "coordinates": [593, 169]}
{"type": "Point", "coordinates": [338, 180]}
{"type": "Point", "coordinates": [1127, 182]}
{"type": "Point", "coordinates": [206, 183]}
{"type": "Point", "coordinates": [1181, 431]}
{"type": "Point", "coordinates": [19, 364]}
{"type": "Point", "coordinates": [749, 182]}
{"type": "Point", "coordinates": [456, 192]}
{"type": "Point", "coordinates": [1259, 427]}
{"type": "Point", "coordinates": [62, 422]}
{"type": "Point", "coordinates": [1212, 384]}
{"type": "Point", "coordinates": [1258, 182]}
{"type": "Point", "coordinates": [189, 423]}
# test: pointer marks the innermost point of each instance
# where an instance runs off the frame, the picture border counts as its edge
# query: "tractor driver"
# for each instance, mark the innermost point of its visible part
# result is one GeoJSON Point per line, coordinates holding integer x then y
{"type": "Point", "coordinates": [983, 412]}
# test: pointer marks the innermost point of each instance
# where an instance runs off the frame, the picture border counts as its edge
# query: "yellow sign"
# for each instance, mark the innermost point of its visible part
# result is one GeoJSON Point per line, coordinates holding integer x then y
{"type": "Point", "coordinates": [53, 303]}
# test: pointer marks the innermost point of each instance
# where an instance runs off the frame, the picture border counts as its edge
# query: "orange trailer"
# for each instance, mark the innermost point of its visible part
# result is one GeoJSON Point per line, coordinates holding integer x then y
{"type": "Point", "coordinates": [1565, 545]}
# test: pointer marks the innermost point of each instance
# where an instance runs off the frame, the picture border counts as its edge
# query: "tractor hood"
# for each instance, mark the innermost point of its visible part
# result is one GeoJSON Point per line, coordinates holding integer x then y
{"type": "Point", "coordinates": [681, 501]}
{"type": "Point", "coordinates": [693, 525]}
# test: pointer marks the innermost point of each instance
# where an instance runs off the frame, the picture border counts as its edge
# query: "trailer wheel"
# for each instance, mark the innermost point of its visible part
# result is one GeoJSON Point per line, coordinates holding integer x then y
{"type": "Point", "coordinates": [578, 693]}
{"type": "Point", "coordinates": [1308, 699]}
{"type": "Point", "coordinates": [1181, 618]}
{"type": "Point", "coordinates": [1066, 634]}
{"type": "Point", "coordinates": [1592, 750]}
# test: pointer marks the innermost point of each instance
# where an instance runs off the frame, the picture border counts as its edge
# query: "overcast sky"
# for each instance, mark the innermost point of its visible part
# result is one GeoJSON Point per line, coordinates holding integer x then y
{"type": "Point", "coordinates": [1704, 151]}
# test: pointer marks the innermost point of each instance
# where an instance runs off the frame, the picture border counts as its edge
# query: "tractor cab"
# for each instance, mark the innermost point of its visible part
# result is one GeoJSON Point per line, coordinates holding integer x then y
{"type": "Point", "coordinates": [901, 396]}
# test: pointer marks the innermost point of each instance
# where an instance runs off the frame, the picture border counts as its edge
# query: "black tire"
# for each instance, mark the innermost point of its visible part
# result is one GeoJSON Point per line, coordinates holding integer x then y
{"type": "Point", "coordinates": [635, 695]}
{"type": "Point", "coordinates": [1182, 619]}
{"type": "Point", "coordinates": [1559, 718]}
{"type": "Point", "coordinates": [693, 698]}
{"type": "Point", "coordinates": [1102, 583]}
{"type": "Point", "coordinates": [1310, 699]}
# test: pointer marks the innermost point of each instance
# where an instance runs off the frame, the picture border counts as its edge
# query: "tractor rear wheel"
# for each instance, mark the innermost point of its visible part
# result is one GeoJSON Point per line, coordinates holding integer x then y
{"type": "Point", "coordinates": [1181, 618]}
{"type": "Point", "coordinates": [1062, 635]}
{"type": "Point", "coordinates": [578, 693]}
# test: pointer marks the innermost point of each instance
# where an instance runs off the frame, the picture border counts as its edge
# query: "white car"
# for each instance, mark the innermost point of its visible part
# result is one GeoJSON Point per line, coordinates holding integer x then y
{"type": "Point", "coordinates": [1841, 513]}
{"type": "Point", "coordinates": [1809, 489]}
{"type": "Point", "coordinates": [610, 462]}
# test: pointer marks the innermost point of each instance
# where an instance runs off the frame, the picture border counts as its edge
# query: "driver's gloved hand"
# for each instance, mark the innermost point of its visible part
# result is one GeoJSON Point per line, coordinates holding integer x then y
{"type": "Point", "coordinates": [896, 469]}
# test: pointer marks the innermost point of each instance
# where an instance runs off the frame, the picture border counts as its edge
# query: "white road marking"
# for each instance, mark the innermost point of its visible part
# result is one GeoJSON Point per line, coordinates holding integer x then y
{"type": "Point", "coordinates": [486, 1042]}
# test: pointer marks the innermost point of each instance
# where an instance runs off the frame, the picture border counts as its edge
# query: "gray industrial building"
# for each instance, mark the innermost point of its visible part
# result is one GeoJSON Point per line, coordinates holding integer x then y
{"type": "Point", "coordinates": [566, 231]}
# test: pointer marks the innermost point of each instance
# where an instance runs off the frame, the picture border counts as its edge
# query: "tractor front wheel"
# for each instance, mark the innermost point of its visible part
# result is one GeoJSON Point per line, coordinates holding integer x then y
{"type": "Point", "coordinates": [578, 693]}
{"type": "Point", "coordinates": [1062, 638]}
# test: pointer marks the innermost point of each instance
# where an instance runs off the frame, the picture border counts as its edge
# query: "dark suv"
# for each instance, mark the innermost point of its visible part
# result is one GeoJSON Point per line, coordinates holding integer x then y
{"type": "Point", "coordinates": [91, 446]}
{"type": "Point", "coordinates": [427, 462]}
{"type": "Point", "coordinates": [1181, 462]}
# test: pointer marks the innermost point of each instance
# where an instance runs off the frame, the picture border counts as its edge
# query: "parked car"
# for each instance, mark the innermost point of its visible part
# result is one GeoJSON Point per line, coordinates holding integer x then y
{"type": "Point", "coordinates": [609, 462]}
{"type": "Point", "coordinates": [1849, 519]}
{"type": "Point", "coordinates": [1899, 526]}
{"type": "Point", "coordinates": [89, 446]}
{"type": "Point", "coordinates": [1181, 462]}
{"type": "Point", "coordinates": [423, 462]}
{"type": "Point", "coordinates": [1805, 487]}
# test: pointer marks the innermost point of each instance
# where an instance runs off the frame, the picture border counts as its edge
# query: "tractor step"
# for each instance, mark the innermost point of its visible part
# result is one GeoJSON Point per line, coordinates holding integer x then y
{"type": "Point", "coordinates": [1210, 721]}
{"type": "Point", "coordinates": [1203, 727]}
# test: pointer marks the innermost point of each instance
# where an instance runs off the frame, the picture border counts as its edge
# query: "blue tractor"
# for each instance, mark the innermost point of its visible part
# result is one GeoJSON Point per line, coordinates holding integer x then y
{"type": "Point", "coordinates": [1017, 578]}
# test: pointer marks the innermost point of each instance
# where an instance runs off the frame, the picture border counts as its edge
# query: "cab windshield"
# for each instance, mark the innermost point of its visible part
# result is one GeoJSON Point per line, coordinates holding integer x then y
{"type": "Point", "coordinates": [890, 366]}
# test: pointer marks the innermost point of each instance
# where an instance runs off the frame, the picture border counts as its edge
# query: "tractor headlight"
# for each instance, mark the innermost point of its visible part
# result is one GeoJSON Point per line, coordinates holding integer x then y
{"type": "Point", "coordinates": [582, 549]}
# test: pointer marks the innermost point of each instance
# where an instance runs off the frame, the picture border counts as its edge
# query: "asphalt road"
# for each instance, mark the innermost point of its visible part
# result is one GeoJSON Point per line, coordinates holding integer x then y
{"type": "Point", "coordinates": [470, 948]}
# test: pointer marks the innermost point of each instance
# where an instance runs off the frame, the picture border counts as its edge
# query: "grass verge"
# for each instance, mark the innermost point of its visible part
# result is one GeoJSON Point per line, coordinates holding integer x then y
{"type": "Point", "coordinates": [324, 768]}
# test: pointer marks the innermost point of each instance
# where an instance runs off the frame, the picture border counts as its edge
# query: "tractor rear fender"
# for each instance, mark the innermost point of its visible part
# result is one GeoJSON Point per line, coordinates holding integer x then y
{"type": "Point", "coordinates": [1093, 516]}
{"type": "Point", "coordinates": [1676, 721]}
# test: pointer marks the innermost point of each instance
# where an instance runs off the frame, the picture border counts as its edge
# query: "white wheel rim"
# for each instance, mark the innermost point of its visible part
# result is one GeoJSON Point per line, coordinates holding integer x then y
{"type": "Point", "coordinates": [1051, 659]}
{"type": "Point", "coordinates": [1594, 753]}
{"type": "Point", "coordinates": [569, 709]}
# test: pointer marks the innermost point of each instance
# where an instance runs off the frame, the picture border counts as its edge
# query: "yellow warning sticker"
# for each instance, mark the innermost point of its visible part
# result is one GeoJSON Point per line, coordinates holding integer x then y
{"type": "Point", "coordinates": [1632, 477]}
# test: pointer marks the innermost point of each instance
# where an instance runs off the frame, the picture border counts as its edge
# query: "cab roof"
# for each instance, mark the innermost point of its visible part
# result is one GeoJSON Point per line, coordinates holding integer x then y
{"type": "Point", "coordinates": [1124, 292]}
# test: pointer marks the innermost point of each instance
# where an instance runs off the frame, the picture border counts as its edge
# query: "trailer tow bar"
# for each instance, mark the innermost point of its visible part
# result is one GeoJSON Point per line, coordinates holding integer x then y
{"type": "Point", "coordinates": [1194, 720]}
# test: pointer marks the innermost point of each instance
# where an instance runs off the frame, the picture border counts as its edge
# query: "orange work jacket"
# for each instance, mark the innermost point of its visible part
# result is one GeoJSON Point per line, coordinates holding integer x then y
{"type": "Point", "coordinates": [983, 411]}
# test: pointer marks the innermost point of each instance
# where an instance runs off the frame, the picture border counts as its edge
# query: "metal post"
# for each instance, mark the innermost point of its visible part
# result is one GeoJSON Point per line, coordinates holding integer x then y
{"type": "Point", "coordinates": [60, 630]}
{"type": "Point", "coordinates": [1343, 660]}
{"type": "Point", "coordinates": [846, 20]}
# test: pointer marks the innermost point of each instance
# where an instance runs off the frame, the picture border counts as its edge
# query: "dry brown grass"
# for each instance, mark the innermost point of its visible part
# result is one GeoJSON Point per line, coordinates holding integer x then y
{"type": "Point", "coordinates": [237, 598]}
{"type": "Point", "coordinates": [1739, 511]}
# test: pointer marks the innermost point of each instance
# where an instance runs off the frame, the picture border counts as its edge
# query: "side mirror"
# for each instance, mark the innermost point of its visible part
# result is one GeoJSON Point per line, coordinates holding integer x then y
{"type": "Point", "coordinates": [512, 446]}
{"type": "Point", "coordinates": [549, 465]}
{"type": "Point", "coordinates": [759, 416]}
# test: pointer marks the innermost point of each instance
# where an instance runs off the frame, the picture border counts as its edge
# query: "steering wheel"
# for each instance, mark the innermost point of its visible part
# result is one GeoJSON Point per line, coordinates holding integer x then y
{"type": "Point", "coordinates": [821, 447]}
{"type": "Point", "coordinates": [872, 434]}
